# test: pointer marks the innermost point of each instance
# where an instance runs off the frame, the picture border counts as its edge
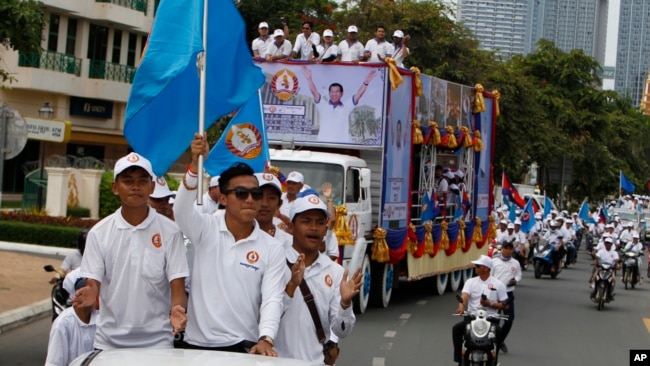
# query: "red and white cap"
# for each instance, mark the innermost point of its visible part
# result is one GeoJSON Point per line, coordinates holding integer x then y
{"type": "Point", "coordinates": [269, 179]}
{"type": "Point", "coordinates": [133, 159]}
{"type": "Point", "coordinates": [306, 203]}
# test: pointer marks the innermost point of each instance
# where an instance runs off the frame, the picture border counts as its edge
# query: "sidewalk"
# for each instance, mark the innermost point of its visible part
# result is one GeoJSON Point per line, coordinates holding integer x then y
{"type": "Point", "coordinates": [24, 287]}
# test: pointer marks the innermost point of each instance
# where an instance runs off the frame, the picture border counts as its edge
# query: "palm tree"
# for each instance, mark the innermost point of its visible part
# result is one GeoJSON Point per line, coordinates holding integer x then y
{"type": "Point", "coordinates": [364, 123]}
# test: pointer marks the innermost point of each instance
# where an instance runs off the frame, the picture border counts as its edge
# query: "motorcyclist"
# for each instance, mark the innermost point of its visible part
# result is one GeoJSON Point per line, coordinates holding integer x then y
{"type": "Point", "coordinates": [522, 247]}
{"type": "Point", "coordinates": [606, 255]}
{"type": "Point", "coordinates": [73, 260]}
{"type": "Point", "coordinates": [554, 236]}
{"type": "Point", "coordinates": [570, 237]}
{"type": "Point", "coordinates": [625, 236]}
{"type": "Point", "coordinates": [72, 277]}
{"type": "Point", "coordinates": [635, 246]}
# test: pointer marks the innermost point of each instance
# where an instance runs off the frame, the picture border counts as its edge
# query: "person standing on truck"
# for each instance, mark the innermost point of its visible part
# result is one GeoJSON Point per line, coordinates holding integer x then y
{"type": "Point", "coordinates": [260, 45]}
{"type": "Point", "coordinates": [306, 43]}
{"type": "Point", "coordinates": [378, 48]}
{"type": "Point", "coordinates": [350, 49]}
{"type": "Point", "coordinates": [328, 51]}
{"type": "Point", "coordinates": [400, 50]}
{"type": "Point", "coordinates": [280, 48]}
{"type": "Point", "coordinates": [334, 110]}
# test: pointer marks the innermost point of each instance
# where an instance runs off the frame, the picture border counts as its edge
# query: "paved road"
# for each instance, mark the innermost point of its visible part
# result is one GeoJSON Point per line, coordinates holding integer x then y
{"type": "Point", "coordinates": [556, 324]}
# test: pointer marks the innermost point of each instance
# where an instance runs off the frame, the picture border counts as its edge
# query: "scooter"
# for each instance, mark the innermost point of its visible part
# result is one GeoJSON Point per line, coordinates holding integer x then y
{"type": "Point", "coordinates": [543, 260]}
{"type": "Point", "coordinates": [480, 338]}
{"type": "Point", "coordinates": [60, 297]}
{"type": "Point", "coordinates": [602, 292]}
{"type": "Point", "coordinates": [630, 269]}
{"type": "Point", "coordinates": [571, 253]}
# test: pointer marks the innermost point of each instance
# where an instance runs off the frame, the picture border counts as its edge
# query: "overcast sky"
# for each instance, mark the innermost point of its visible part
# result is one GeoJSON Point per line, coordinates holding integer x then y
{"type": "Point", "coordinates": [612, 32]}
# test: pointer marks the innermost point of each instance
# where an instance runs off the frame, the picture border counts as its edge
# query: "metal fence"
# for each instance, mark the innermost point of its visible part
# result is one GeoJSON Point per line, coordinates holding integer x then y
{"type": "Point", "coordinates": [139, 5]}
{"type": "Point", "coordinates": [49, 60]}
{"type": "Point", "coordinates": [100, 69]}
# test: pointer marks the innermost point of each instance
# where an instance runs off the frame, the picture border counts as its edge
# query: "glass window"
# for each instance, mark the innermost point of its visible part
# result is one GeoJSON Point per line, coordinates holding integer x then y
{"type": "Point", "coordinates": [53, 33]}
{"type": "Point", "coordinates": [71, 38]}
{"type": "Point", "coordinates": [316, 174]}
{"type": "Point", "coordinates": [130, 58]}
{"type": "Point", "coordinates": [117, 46]}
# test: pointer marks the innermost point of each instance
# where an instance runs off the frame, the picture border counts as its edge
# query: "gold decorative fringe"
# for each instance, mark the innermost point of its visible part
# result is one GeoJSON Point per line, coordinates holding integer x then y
{"type": "Point", "coordinates": [412, 244]}
{"type": "Point", "coordinates": [461, 234]}
{"type": "Point", "coordinates": [497, 96]}
{"type": "Point", "coordinates": [435, 139]}
{"type": "Point", "coordinates": [379, 246]}
{"type": "Point", "coordinates": [478, 144]}
{"type": "Point", "coordinates": [276, 171]}
{"type": "Point", "coordinates": [479, 102]}
{"type": "Point", "coordinates": [428, 238]}
{"type": "Point", "coordinates": [394, 75]}
{"type": "Point", "coordinates": [467, 139]}
{"type": "Point", "coordinates": [477, 236]}
{"type": "Point", "coordinates": [444, 239]}
{"type": "Point", "coordinates": [418, 81]}
{"type": "Point", "coordinates": [417, 133]}
{"type": "Point", "coordinates": [451, 138]}
{"type": "Point", "coordinates": [492, 229]}
{"type": "Point", "coordinates": [341, 226]}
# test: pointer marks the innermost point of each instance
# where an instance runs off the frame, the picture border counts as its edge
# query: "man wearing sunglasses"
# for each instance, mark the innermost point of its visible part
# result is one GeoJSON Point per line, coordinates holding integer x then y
{"type": "Point", "coordinates": [238, 274]}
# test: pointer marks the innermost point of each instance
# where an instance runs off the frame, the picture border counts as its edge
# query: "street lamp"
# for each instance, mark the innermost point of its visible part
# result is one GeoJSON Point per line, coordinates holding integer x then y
{"type": "Point", "coordinates": [45, 112]}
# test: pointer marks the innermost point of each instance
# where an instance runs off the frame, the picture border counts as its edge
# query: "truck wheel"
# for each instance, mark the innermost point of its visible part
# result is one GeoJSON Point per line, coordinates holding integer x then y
{"type": "Point", "coordinates": [361, 300]}
{"type": "Point", "coordinates": [467, 274]}
{"type": "Point", "coordinates": [441, 283]}
{"type": "Point", "coordinates": [381, 286]}
{"type": "Point", "coordinates": [454, 280]}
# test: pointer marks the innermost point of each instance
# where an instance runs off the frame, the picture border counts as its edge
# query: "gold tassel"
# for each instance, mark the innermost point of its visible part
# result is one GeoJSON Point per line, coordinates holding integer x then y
{"type": "Point", "coordinates": [276, 171]}
{"type": "Point", "coordinates": [461, 234]}
{"type": "Point", "coordinates": [492, 229]}
{"type": "Point", "coordinates": [419, 91]}
{"type": "Point", "coordinates": [451, 138]}
{"type": "Point", "coordinates": [467, 139]}
{"type": "Point", "coordinates": [444, 239]}
{"type": "Point", "coordinates": [379, 246]}
{"type": "Point", "coordinates": [479, 102]}
{"type": "Point", "coordinates": [428, 238]}
{"type": "Point", "coordinates": [341, 226]}
{"type": "Point", "coordinates": [477, 236]}
{"type": "Point", "coordinates": [417, 133]}
{"type": "Point", "coordinates": [478, 144]}
{"type": "Point", "coordinates": [435, 139]}
{"type": "Point", "coordinates": [412, 244]}
{"type": "Point", "coordinates": [497, 96]}
{"type": "Point", "coordinates": [395, 77]}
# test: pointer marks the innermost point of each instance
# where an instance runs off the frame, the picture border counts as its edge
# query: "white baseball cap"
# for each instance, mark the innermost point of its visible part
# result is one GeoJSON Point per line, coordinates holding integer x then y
{"type": "Point", "coordinates": [353, 29]}
{"type": "Point", "coordinates": [328, 33]}
{"type": "Point", "coordinates": [278, 33]}
{"type": "Point", "coordinates": [263, 25]}
{"type": "Point", "coordinates": [399, 34]}
{"type": "Point", "coordinates": [510, 226]}
{"type": "Point", "coordinates": [306, 203]}
{"type": "Point", "coordinates": [269, 179]}
{"type": "Point", "coordinates": [214, 181]}
{"type": "Point", "coordinates": [484, 260]}
{"type": "Point", "coordinates": [296, 177]}
{"type": "Point", "coordinates": [133, 159]}
{"type": "Point", "coordinates": [161, 190]}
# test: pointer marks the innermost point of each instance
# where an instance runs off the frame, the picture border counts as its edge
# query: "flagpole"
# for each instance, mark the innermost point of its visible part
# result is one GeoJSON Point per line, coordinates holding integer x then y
{"type": "Point", "coordinates": [202, 89]}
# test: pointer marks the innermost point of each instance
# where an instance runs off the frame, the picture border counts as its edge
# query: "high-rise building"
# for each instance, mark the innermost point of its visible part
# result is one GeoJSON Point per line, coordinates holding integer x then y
{"type": "Point", "coordinates": [633, 50]}
{"type": "Point", "coordinates": [514, 26]}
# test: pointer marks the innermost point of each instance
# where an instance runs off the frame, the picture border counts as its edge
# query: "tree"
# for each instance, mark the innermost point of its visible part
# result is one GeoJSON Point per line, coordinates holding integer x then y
{"type": "Point", "coordinates": [21, 28]}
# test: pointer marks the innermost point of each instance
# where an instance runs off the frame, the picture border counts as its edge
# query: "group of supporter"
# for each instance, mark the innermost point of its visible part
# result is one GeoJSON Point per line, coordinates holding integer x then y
{"type": "Point", "coordinates": [308, 46]}
{"type": "Point", "coordinates": [448, 186]}
{"type": "Point", "coordinates": [258, 254]}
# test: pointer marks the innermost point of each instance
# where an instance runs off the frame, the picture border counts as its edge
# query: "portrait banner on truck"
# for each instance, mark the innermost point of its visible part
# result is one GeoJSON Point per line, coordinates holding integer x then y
{"type": "Point", "coordinates": [304, 104]}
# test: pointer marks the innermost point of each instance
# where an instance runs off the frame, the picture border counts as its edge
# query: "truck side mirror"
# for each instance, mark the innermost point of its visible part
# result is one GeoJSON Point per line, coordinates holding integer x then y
{"type": "Point", "coordinates": [364, 178]}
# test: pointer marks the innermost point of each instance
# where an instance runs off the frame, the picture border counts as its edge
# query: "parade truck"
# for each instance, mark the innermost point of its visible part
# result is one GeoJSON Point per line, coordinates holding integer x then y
{"type": "Point", "coordinates": [377, 134]}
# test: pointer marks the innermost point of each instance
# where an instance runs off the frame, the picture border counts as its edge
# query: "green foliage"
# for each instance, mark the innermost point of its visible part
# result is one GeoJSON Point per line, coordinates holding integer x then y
{"type": "Point", "coordinates": [78, 212]}
{"type": "Point", "coordinates": [172, 183]}
{"type": "Point", "coordinates": [41, 219]}
{"type": "Point", "coordinates": [22, 232]}
{"type": "Point", "coordinates": [21, 27]}
{"type": "Point", "coordinates": [108, 201]}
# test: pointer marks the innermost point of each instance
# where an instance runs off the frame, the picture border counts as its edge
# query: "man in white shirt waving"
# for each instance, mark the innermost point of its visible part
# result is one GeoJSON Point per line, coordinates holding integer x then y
{"type": "Point", "coordinates": [306, 43]}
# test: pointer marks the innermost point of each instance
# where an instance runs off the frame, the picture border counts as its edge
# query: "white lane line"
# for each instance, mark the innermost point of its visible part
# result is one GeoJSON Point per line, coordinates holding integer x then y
{"type": "Point", "coordinates": [386, 346]}
{"type": "Point", "coordinates": [405, 316]}
{"type": "Point", "coordinates": [378, 361]}
{"type": "Point", "coordinates": [421, 302]}
{"type": "Point", "coordinates": [390, 334]}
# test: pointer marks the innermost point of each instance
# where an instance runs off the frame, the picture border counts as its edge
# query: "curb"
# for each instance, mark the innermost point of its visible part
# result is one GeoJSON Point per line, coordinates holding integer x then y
{"type": "Point", "coordinates": [15, 318]}
{"type": "Point", "coordinates": [35, 249]}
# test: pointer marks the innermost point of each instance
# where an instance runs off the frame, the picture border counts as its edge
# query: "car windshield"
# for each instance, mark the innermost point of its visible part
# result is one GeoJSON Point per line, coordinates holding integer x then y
{"type": "Point", "coordinates": [315, 174]}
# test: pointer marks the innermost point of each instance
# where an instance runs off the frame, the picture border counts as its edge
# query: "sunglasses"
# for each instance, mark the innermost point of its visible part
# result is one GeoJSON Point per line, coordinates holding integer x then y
{"type": "Point", "coordinates": [242, 193]}
{"type": "Point", "coordinates": [307, 28]}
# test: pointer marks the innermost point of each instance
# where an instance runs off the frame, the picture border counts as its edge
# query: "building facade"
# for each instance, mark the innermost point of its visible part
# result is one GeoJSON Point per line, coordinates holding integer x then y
{"type": "Point", "coordinates": [91, 51]}
{"type": "Point", "coordinates": [633, 50]}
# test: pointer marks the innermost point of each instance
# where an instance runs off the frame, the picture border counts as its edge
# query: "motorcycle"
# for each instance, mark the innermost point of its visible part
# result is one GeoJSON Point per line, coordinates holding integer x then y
{"type": "Point", "coordinates": [60, 297]}
{"type": "Point", "coordinates": [543, 260]}
{"type": "Point", "coordinates": [602, 292]}
{"type": "Point", "coordinates": [571, 253]}
{"type": "Point", "coordinates": [480, 338]}
{"type": "Point", "coordinates": [630, 269]}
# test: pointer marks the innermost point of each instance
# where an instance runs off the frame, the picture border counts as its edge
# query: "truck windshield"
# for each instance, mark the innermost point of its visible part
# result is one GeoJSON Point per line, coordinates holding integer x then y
{"type": "Point", "coordinates": [316, 173]}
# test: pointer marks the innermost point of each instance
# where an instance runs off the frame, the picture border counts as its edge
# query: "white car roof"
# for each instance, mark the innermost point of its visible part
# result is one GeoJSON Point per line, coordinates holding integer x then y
{"type": "Point", "coordinates": [185, 357]}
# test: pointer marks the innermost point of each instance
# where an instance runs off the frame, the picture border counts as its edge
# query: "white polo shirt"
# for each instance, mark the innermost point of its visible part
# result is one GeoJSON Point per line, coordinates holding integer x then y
{"type": "Point", "coordinates": [71, 261]}
{"type": "Point", "coordinates": [283, 237]}
{"type": "Point", "coordinates": [398, 54]}
{"type": "Point", "coordinates": [304, 47]}
{"type": "Point", "coordinates": [376, 48]}
{"type": "Point", "coordinates": [334, 120]}
{"type": "Point", "coordinates": [494, 289]}
{"type": "Point", "coordinates": [237, 287]}
{"type": "Point", "coordinates": [261, 45]}
{"type": "Point", "coordinates": [327, 51]}
{"type": "Point", "coordinates": [135, 265]}
{"type": "Point", "coordinates": [505, 270]}
{"type": "Point", "coordinates": [607, 256]}
{"type": "Point", "coordinates": [297, 336]}
{"type": "Point", "coordinates": [350, 52]}
{"type": "Point", "coordinates": [69, 338]}
{"type": "Point", "coordinates": [283, 49]}
{"type": "Point", "coordinates": [208, 205]}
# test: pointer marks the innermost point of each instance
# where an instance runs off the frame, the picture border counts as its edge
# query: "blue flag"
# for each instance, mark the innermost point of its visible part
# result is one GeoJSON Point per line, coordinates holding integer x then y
{"type": "Point", "coordinates": [243, 140]}
{"type": "Point", "coordinates": [527, 217]}
{"type": "Point", "coordinates": [162, 113]}
{"type": "Point", "coordinates": [548, 206]}
{"type": "Point", "coordinates": [626, 185]}
{"type": "Point", "coordinates": [512, 213]}
{"type": "Point", "coordinates": [431, 210]}
{"type": "Point", "coordinates": [458, 213]}
{"type": "Point", "coordinates": [584, 214]}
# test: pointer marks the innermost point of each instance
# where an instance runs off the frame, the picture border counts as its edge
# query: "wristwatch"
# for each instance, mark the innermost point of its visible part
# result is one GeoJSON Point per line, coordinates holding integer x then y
{"type": "Point", "coordinates": [267, 339]}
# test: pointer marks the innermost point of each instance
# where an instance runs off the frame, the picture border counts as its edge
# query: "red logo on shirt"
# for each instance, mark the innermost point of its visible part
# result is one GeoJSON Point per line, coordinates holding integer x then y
{"type": "Point", "coordinates": [156, 240]}
{"type": "Point", "coordinates": [328, 280]}
{"type": "Point", "coordinates": [252, 257]}
{"type": "Point", "coordinates": [490, 286]}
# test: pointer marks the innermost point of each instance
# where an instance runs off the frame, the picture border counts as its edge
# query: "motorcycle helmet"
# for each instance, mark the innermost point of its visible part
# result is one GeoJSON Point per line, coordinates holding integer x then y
{"type": "Point", "coordinates": [81, 241]}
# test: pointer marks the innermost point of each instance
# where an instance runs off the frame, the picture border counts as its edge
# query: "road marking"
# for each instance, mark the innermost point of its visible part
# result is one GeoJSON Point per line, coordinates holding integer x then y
{"type": "Point", "coordinates": [386, 346]}
{"type": "Point", "coordinates": [378, 361]}
{"type": "Point", "coordinates": [421, 302]}
{"type": "Point", "coordinates": [390, 334]}
{"type": "Point", "coordinates": [405, 316]}
{"type": "Point", "coordinates": [646, 321]}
